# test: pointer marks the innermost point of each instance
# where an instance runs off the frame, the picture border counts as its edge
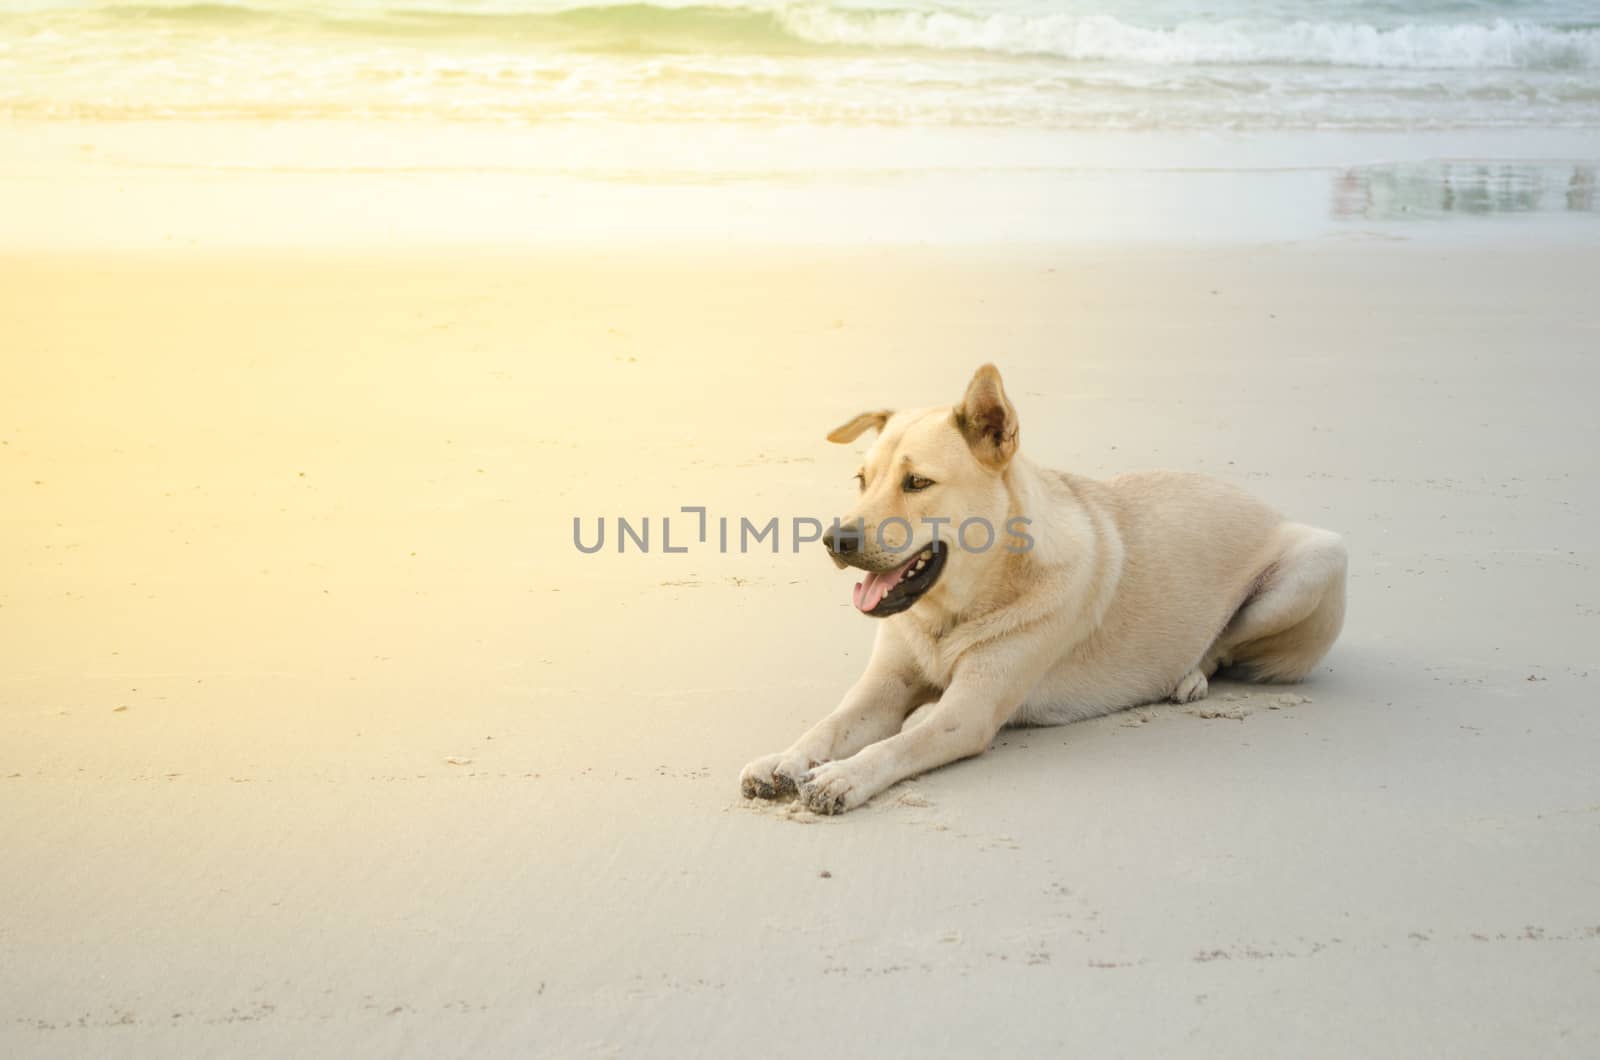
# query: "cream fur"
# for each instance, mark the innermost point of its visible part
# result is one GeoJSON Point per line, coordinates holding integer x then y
{"type": "Point", "coordinates": [1136, 589]}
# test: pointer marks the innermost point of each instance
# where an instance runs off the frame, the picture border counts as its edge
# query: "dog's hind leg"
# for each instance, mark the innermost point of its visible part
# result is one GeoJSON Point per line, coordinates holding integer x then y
{"type": "Point", "coordinates": [1294, 616]}
{"type": "Point", "coordinates": [1194, 685]}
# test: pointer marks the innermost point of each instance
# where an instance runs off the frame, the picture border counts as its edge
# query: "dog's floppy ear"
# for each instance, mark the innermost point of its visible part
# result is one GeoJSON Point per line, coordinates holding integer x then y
{"type": "Point", "coordinates": [987, 420]}
{"type": "Point", "coordinates": [849, 432]}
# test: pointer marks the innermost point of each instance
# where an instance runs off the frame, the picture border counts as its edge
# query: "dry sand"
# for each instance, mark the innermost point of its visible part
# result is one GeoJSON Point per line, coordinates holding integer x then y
{"type": "Point", "coordinates": [320, 737]}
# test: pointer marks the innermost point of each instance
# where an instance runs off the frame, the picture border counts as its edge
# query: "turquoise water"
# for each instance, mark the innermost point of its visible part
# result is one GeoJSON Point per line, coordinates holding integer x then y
{"type": "Point", "coordinates": [1067, 64]}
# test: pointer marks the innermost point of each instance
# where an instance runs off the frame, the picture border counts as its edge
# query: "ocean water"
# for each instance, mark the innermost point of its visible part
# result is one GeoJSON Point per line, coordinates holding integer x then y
{"type": "Point", "coordinates": [1248, 65]}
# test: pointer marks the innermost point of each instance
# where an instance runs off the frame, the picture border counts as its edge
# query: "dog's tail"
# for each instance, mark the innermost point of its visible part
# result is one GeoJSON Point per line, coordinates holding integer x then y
{"type": "Point", "coordinates": [1298, 613]}
{"type": "Point", "coordinates": [1291, 654]}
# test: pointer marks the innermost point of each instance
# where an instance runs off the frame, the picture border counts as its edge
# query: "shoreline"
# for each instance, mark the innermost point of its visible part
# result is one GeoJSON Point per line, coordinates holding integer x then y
{"type": "Point", "coordinates": [342, 185]}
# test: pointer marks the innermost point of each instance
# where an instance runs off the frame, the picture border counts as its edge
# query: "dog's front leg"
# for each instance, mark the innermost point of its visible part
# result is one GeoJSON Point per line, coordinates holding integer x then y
{"type": "Point", "coordinates": [983, 695]}
{"type": "Point", "coordinates": [873, 709]}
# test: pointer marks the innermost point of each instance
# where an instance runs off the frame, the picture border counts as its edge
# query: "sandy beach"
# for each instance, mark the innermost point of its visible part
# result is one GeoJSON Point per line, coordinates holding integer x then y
{"type": "Point", "coordinates": [330, 330]}
{"type": "Point", "coordinates": [322, 738]}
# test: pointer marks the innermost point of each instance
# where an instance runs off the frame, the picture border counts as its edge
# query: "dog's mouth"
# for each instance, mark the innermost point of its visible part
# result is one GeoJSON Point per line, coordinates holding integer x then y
{"type": "Point", "coordinates": [889, 592]}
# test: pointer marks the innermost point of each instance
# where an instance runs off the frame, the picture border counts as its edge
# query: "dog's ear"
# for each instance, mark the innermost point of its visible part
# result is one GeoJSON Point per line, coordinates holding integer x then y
{"type": "Point", "coordinates": [987, 420]}
{"type": "Point", "coordinates": [846, 433]}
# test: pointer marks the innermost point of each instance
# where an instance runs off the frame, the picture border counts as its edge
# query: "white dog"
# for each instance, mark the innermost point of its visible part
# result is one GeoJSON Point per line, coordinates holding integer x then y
{"type": "Point", "coordinates": [1065, 598]}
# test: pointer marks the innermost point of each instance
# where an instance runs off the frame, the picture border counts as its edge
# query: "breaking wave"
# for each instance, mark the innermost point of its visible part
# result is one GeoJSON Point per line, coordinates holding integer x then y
{"type": "Point", "coordinates": [1498, 44]}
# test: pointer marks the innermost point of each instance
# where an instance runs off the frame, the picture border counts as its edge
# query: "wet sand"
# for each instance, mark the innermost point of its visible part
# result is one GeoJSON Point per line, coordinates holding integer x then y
{"type": "Point", "coordinates": [397, 187]}
{"type": "Point", "coordinates": [322, 737]}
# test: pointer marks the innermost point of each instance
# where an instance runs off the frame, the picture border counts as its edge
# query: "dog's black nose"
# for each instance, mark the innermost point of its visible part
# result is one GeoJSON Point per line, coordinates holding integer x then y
{"type": "Point", "coordinates": [842, 540]}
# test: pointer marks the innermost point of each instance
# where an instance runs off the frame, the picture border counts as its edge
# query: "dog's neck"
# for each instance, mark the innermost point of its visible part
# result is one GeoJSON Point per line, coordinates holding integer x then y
{"type": "Point", "coordinates": [994, 577]}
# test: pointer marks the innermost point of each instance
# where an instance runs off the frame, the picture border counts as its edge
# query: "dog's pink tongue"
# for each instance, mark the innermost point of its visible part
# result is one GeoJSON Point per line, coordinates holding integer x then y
{"type": "Point", "coordinates": [870, 593]}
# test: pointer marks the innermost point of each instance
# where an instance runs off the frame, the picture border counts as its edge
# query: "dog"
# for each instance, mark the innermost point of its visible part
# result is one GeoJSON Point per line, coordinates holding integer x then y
{"type": "Point", "coordinates": [1090, 597]}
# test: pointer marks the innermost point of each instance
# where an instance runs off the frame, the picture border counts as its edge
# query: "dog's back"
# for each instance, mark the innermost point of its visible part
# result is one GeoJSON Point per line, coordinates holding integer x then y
{"type": "Point", "coordinates": [1191, 549]}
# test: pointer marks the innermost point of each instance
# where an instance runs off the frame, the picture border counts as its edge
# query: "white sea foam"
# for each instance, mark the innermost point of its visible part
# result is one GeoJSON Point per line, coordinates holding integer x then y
{"type": "Point", "coordinates": [1339, 64]}
{"type": "Point", "coordinates": [1500, 44]}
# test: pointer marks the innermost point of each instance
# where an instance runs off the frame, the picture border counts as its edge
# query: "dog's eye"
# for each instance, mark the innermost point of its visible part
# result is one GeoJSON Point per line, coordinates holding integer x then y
{"type": "Point", "coordinates": [861, 481]}
{"type": "Point", "coordinates": [915, 483]}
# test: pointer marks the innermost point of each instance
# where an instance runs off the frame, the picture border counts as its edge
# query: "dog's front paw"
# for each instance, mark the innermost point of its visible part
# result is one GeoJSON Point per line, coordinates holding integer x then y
{"type": "Point", "coordinates": [773, 775]}
{"type": "Point", "coordinates": [832, 788]}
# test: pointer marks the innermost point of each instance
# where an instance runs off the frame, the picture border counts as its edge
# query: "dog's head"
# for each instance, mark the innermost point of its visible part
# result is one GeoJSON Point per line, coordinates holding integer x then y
{"type": "Point", "coordinates": [933, 505]}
